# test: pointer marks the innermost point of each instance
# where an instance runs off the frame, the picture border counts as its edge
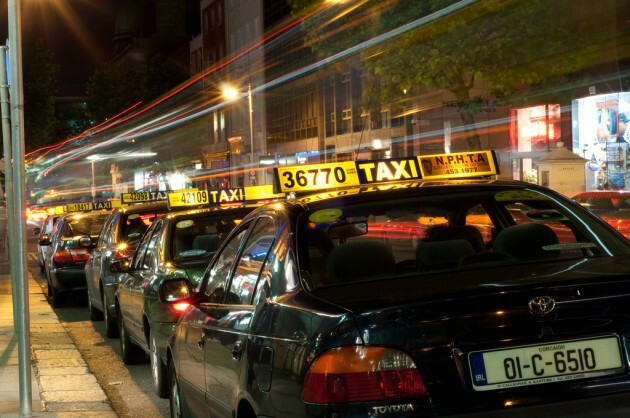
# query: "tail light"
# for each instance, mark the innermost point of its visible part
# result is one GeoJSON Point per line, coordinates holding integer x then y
{"type": "Point", "coordinates": [361, 374]}
{"type": "Point", "coordinates": [70, 255]}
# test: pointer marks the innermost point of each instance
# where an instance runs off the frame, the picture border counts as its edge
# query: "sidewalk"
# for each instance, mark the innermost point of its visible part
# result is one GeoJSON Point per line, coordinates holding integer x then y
{"type": "Point", "coordinates": [62, 385]}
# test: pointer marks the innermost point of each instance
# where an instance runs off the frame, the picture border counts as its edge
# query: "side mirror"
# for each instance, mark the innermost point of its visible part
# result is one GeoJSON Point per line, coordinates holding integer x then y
{"type": "Point", "coordinates": [37, 230]}
{"type": "Point", "coordinates": [119, 266]}
{"type": "Point", "coordinates": [44, 240]}
{"type": "Point", "coordinates": [175, 290]}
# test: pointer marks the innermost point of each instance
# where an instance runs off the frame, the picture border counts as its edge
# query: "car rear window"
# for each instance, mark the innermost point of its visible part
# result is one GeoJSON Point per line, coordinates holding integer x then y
{"type": "Point", "coordinates": [447, 232]}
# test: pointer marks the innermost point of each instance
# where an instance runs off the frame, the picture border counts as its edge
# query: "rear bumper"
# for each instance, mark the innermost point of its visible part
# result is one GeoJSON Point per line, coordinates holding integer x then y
{"type": "Point", "coordinates": [617, 405]}
{"type": "Point", "coordinates": [68, 279]}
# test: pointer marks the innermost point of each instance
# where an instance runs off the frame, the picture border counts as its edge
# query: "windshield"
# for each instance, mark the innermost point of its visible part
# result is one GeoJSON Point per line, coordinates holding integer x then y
{"type": "Point", "coordinates": [79, 225]}
{"type": "Point", "coordinates": [447, 232]}
{"type": "Point", "coordinates": [200, 235]}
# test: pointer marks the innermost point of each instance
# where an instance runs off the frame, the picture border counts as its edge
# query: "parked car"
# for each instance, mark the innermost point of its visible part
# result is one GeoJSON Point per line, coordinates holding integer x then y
{"type": "Point", "coordinates": [46, 229]}
{"type": "Point", "coordinates": [304, 312]}
{"type": "Point", "coordinates": [71, 241]}
{"type": "Point", "coordinates": [177, 245]}
{"type": "Point", "coordinates": [613, 206]}
{"type": "Point", "coordinates": [121, 234]}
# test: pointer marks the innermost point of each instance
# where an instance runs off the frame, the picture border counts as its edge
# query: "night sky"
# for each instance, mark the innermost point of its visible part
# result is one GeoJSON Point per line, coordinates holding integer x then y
{"type": "Point", "coordinates": [79, 32]}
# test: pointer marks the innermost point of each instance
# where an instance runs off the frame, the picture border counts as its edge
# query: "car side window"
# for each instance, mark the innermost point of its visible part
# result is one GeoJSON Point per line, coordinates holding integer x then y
{"type": "Point", "coordinates": [220, 270]}
{"type": "Point", "coordinates": [251, 261]}
{"type": "Point", "coordinates": [138, 258]}
{"type": "Point", "coordinates": [105, 237]}
{"type": "Point", "coordinates": [150, 256]}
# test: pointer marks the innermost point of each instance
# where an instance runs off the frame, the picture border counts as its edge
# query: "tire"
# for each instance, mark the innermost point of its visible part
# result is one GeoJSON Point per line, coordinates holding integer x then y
{"type": "Point", "coordinates": [130, 353]}
{"type": "Point", "coordinates": [111, 326]}
{"type": "Point", "coordinates": [95, 314]}
{"type": "Point", "coordinates": [57, 296]}
{"type": "Point", "coordinates": [158, 369]}
{"type": "Point", "coordinates": [175, 398]}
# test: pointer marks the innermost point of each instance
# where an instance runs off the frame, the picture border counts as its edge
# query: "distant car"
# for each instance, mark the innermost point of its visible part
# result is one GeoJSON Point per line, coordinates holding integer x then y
{"type": "Point", "coordinates": [70, 242]}
{"type": "Point", "coordinates": [176, 246]}
{"type": "Point", "coordinates": [315, 307]}
{"type": "Point", "coordinates": [46, 229]}
{"type": "Point", "coordinates": [121, 233]}
{"type": "Point", "coordinates": [613, 206]}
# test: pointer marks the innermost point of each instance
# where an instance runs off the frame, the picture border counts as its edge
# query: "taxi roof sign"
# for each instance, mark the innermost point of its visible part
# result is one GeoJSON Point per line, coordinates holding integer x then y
{"type": "Point", "coordinates": [90, 206]}
{"type": "Point", "coordinates": [194, 197]}
{"type": "Point", "coordinates": [142, 197]}
{"type": "Point", "coordinates": [315, 177]}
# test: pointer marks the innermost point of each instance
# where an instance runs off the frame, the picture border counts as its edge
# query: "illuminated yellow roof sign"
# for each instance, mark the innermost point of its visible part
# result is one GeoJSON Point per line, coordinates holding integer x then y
{"type": "Point", "coordinates": [315, 177]}
{"type": "Point", "coordinates": [141, 197]}
{"type": "Point", "coordinates": [89, 206]}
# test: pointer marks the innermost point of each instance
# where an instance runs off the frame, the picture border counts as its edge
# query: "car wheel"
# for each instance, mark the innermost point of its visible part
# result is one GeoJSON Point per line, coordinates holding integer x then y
{"type": "Point", "coordinates": [176, 401]}
{"type": "Point", "coordinates": [158, 369]}
{"type": "Point", "coordinates": [57, 296]}
{"type": "Point", "coordinates": [130, 353]}
{"type": "Point", "coordinates": [111, 326]}
{"type": "Point", "coordinates": [95, 314]}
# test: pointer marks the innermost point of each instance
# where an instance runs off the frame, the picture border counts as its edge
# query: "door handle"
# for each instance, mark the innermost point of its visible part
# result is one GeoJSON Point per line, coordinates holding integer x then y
{"type": "Point", "coordinates": [237, 350]}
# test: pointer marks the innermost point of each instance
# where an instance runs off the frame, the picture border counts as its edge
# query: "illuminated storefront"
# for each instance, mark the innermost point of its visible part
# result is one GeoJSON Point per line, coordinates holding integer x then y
{"type": "Point", "coordinates": [600, 134]}
{"type": "Point", "coordinates": [534, 131]}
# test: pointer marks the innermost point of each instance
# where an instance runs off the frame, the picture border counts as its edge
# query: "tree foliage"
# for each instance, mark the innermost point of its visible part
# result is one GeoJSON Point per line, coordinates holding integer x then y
{"type": "Point", "coordinates": [39, 72]}
{"type": "Point", "coordinates": [114, 88]}
{"type": "Point", "coordinates": [511, 46]}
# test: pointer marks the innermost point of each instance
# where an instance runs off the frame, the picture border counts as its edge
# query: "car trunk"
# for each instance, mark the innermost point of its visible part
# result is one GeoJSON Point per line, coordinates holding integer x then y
{"type": "Point", "coordinates": [440, 319]}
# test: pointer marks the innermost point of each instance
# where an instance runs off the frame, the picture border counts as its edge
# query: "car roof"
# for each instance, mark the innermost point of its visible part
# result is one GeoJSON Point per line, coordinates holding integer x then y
{"type": "Point", "coordinates": [143, 207]}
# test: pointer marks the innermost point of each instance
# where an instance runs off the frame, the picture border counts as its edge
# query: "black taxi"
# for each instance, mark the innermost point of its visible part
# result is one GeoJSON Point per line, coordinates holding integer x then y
{"type": "Point", "coordinates": [416, 286]}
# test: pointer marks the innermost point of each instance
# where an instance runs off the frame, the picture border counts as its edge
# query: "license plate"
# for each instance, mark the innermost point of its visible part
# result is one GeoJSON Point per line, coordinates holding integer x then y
{"type": "Point", "coordinates": [546, 363]}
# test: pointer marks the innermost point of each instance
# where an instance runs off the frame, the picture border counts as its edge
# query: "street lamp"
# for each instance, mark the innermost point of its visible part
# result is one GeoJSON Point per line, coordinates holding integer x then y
{"type": "Point", "coordinates": [231, 93]}
{"type": "Point", "coordinates": [93, 158]}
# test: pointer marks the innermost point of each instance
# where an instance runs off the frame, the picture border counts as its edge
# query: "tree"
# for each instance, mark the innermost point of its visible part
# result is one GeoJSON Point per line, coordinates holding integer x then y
{"type": "Point", "coordinates": [113, 89]}
{"type": "Point", "coordinates": [39, 77]}
{"type": "Point", "coordinates": [513, 46]}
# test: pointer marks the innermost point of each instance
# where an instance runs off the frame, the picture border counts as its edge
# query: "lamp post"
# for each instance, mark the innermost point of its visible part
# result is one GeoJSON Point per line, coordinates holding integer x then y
{"type": "Point", "coordinates": [93, 158]}
{"type": "Point", "coordinates": [251, 132]}
{"type": "Point", "coordinates": [230, 93]}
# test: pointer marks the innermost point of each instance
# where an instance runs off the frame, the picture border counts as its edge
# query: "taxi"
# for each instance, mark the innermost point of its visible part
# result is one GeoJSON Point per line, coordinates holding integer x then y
{"type": "Point", "coordinates": [510, 299]}
{"type": "Point", "coordinates": [178, 244]}
{"type": "Point", "coordinates": [68, 246]}
{"type": "Point", "coordinates": [120, 236]}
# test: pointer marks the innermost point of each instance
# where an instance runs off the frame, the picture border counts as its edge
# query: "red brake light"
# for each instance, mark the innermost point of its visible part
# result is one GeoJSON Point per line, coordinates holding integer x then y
{"type": "Point", "coordinates": [180, 307]}
{"type": "Point", "coordinates": [360, 374]}
{"type": "Point", "coordinates": [66, 256]}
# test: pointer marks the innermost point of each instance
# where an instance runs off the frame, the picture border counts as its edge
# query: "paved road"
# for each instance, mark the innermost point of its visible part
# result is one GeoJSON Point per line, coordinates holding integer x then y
{"type": "Point", "coordinates": [129, 388]}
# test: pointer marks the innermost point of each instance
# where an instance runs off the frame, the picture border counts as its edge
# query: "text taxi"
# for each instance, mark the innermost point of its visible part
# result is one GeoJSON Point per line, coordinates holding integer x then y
{"type": "Point", "coordinates": [406, 287]}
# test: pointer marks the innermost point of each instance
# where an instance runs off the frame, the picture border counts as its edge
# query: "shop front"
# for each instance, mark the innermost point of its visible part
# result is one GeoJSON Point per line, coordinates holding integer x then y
{"type": "Point", "coordinates": [534, 131]}
{"type": "Point", "coordinates": [601, 136]}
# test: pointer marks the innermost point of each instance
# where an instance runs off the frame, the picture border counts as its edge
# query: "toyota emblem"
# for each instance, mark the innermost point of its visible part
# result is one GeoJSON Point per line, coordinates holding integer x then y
{"type": "Point", "coordinates": [542, 305]}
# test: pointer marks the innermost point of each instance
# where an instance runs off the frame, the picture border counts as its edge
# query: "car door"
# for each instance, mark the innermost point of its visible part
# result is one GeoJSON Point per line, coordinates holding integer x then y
{"type": "Point", "coordinates": [144, 276]}
{"type": "Point", "coordinates": [202, 316]}
{"type": "Point", "coordinates": [138, 272]}
{"type": "Point", "coordinates": [94, 269]}
{"type": "Point", "coordinates": [225, 334]}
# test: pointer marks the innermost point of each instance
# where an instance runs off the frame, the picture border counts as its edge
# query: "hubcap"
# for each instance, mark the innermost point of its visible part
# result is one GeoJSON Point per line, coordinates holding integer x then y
{"type": "Point", "coordinates": [154, 362]}
{"type": "Point", "coordinates": [175, 399]}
